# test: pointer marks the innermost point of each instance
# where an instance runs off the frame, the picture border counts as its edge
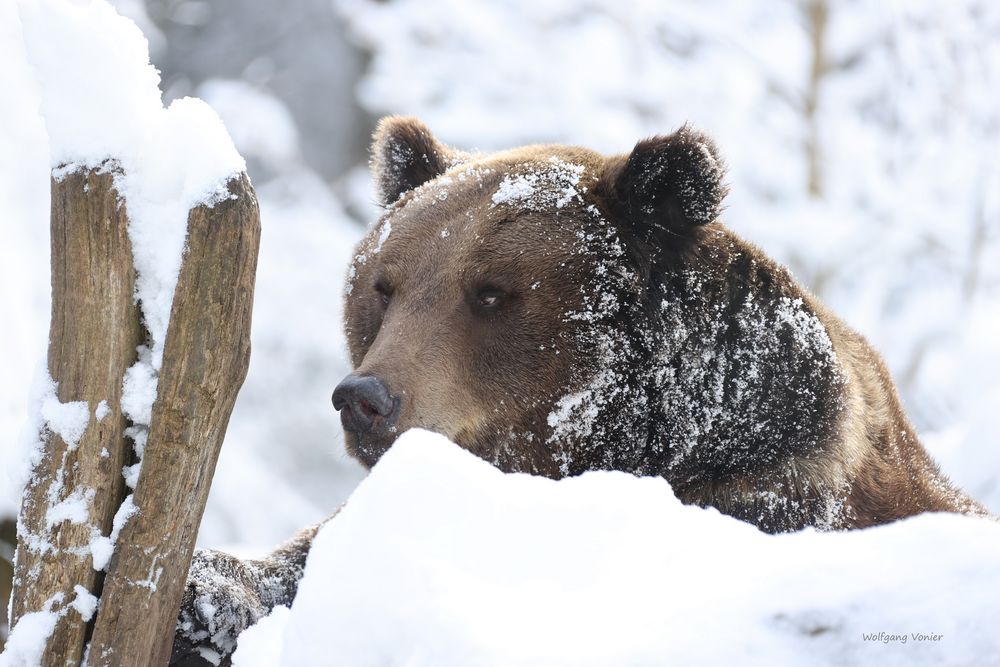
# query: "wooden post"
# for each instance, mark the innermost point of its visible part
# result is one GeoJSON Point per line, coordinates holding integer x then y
{"type": "Point", "coordinates": [94, 334]}
{"type": "Point", "coordinates": [92, 340]}
{"type": "Point", "coordinates": [205, 360]}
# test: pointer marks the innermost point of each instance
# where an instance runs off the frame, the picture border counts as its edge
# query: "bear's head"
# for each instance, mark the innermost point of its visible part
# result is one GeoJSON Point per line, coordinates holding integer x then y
{"type": "Point", "coordinates": [505, 300]}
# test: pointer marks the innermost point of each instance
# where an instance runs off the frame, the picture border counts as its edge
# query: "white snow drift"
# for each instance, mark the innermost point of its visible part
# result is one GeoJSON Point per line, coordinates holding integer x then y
{"type": "Point", "coordinates": [440, 559]}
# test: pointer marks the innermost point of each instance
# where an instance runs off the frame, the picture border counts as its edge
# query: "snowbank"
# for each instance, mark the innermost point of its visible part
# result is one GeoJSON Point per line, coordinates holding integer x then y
{"type": "Point", "coordinates": [440, 559]}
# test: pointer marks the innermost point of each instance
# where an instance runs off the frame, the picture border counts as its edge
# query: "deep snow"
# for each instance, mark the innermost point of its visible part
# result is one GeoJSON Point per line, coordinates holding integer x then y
{"type": "Point", "coordinates": [440, 559]}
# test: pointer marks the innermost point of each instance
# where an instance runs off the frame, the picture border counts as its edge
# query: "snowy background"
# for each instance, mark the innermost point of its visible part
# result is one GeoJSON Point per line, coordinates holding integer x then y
{"type": "Point", "coordinates": [863, 140]}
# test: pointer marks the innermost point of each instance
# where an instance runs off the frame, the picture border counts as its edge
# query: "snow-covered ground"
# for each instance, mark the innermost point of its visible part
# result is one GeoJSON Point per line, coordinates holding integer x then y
{"type": "Point", "coordinates": [439, 559]}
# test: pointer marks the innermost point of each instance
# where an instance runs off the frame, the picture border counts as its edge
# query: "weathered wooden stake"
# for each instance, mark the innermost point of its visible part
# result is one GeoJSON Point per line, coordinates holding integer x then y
{"type": "Point", "coordinates": [206, 355]}
{"type": "Point", "coordinates": [93, 336]}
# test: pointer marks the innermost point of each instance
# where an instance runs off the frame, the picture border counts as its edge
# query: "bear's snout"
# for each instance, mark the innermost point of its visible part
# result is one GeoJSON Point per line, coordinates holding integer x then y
{"type": "Point", "coordinates": [365, 405]}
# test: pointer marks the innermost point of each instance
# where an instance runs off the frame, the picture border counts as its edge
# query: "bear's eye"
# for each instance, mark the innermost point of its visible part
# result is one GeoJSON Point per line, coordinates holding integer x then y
{"type": "Point", "coordinates": [384, 292]}
{"type": "Point", "coordinates": [489, 297]}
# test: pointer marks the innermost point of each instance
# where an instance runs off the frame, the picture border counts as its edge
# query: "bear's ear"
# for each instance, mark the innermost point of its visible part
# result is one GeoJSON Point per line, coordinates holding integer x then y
{"type": "Point", "coordinates": [667, 185]}
{"type": "Point", "coordinates": [404, 155]}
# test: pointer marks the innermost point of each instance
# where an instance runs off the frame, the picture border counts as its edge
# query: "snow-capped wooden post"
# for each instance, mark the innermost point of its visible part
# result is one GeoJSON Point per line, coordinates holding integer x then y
{"type": "Point", "coordinates": [154, 258]}
{"type": "Point", "coordinates": [205, 360]}
{"type": "Point", "coordinates": [76, 484]}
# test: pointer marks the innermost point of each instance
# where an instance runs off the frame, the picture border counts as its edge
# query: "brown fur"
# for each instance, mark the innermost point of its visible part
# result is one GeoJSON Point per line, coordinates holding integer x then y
{"type": "Point", "coordinates": [875, 453]}
{"type": "Point", "coordinates": [490, 386]}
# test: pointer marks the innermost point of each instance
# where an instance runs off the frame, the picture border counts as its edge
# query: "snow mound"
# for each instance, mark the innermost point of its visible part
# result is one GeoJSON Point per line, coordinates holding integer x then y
{"type": "Point", "coordinates": [440, 559]}
{"type": "Point", "coordinates": [258, 645]}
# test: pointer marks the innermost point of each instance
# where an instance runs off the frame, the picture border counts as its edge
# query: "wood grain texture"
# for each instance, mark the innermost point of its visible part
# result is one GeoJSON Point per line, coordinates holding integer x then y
{"type": "Point", "coordinates": [94, 331]}
{"type": "Point", "coordinates": [206, 355]}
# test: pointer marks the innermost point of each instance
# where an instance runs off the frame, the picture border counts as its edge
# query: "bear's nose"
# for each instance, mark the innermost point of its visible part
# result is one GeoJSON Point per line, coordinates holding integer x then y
{"type": "Point", "coordinates": [364, 404]}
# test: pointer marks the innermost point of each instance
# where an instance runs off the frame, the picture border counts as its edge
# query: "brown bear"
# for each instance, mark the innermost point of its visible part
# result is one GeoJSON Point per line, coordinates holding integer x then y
{"type": "Point", "coordinates": [555, 311]}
